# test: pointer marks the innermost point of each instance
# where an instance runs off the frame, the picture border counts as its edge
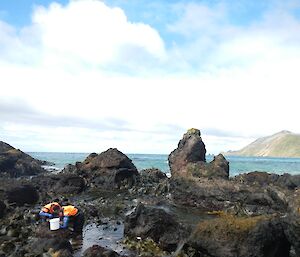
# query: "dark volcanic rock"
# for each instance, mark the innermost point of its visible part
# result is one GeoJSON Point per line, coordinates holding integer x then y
{"type": "Point", "coordinates": [21, 195]}
{"type": "Point", "coordinates": [217, 168]}
{"type": "Point", "coordinates": [109, 169]}
{"type": "Point", "coordinates": [152, 182]}
{"type": "Point", "coordinates": [292, 231]}
{"type": "Point", "coordinates": [110, 159]}
{"type": "Point", "coordinates": [15, 163]}
{"type": "Point", "coordinates": [53, 246]}
{"type": "Point", "coordinates": [69, 184]}
{"type": "Point", "coordinates": [189, 159]}
{"type": "Point", "coordinates": [263, 179]}
{"type": "Point", "coordinates": [153, 174]}
{"type": "Point", "coordinates": [55, 243]}
{"type": "Point", "coordinates": [219, 194]}
{"type": "Point", "coordinates": [191, 149]}
{"type": "Point", "coordinates": [43, 231]}
{"type": "Point", "coordinates": [157, 224]}
{"type": "Point", "coordinates": [230, 236]}
{"type": "Point", "coordinates": [59, 185]}
{"type": "Point", "coordinates": [99, 251]}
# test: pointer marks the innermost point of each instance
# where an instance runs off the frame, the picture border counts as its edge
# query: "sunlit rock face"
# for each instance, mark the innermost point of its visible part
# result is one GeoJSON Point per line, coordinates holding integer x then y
{"type": "Point", "coordinates": [188, 159]}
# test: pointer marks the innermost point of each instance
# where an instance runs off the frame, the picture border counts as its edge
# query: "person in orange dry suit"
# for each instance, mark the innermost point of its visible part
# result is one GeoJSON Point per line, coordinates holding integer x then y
{"type": "Point", "coordinates": [72, 215]}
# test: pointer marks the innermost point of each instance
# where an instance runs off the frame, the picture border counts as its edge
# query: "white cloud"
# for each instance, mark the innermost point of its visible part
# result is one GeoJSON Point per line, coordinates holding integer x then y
{"type": "Point", "coordinates": [90, 33]}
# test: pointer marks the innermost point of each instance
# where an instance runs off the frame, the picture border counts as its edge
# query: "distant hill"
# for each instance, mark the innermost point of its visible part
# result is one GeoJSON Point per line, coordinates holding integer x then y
{"type": "Point", "coordinates": [282, 144]}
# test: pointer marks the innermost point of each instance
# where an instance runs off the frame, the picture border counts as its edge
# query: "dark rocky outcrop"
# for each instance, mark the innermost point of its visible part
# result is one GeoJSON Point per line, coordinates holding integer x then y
{"type": "Point", "coordinates": [292, 231]}
{"type": "Point", "coordinates": [26, 194]}
{"type": "Point", "coordinates": [219, 194]}
{"type": "Point", "coordinates": [191, 149]}
{"type": "Point", "coordinates": [230, 236]}
{"type": "Point", "coordinates": [217, 168]}
{"type": "Point", "coordinates": [99, 251]}
{"type": "Point", "coordinates": [52, 246]}
{"type": "Point", "coordinates": [263, 179]}
{"type": "Point", "coordinates": [109, 169]}
{"type": "Point", "coordinates": [153, 175]}
{"type": "Point", "coordinates": [156, 223]}
{"type": "Point", "coordinates": [59, 185]}
{"type": "Point", "coordinates": [189, 159]}
{"type": "Point", "coordinates": [15, 163]}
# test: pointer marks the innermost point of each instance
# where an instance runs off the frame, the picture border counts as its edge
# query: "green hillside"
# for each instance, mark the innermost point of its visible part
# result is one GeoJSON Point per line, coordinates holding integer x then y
{"type": "Point", "coordinates": [282, 144]}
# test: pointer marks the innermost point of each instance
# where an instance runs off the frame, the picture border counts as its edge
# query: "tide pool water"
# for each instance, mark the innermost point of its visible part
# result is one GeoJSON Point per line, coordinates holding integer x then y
{"type": "Point", "coordinates": [237, 164]}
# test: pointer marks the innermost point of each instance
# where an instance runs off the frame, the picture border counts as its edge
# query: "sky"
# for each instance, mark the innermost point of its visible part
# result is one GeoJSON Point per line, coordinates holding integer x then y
{"type": "Point", "coordinates": [87, 75]}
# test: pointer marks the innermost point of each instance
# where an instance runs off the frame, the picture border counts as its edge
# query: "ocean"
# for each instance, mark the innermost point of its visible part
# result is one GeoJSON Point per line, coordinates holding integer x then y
{"type": "Point", "coordinates": [237, 164]}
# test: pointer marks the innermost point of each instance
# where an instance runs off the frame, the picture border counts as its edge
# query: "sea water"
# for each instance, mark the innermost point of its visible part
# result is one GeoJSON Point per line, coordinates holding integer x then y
{"type": "Point", "coordinates": [237, 164]}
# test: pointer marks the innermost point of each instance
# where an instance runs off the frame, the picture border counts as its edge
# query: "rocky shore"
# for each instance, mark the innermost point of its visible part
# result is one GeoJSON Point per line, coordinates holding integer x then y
{"type": "Point", "coordinates": [200, 211]}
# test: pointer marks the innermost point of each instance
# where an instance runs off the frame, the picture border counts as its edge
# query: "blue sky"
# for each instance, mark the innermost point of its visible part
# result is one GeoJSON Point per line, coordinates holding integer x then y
{"type": "Point", "coordinates": [86, 75]}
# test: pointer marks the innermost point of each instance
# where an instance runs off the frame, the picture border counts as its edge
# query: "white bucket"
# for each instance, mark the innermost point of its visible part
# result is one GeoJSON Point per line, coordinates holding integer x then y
{"type": "Point", "coordinates": [54, 224]}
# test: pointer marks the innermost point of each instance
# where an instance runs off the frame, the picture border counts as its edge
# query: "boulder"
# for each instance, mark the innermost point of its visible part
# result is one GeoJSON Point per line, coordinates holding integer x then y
{"type": "Point", "coordinates": [152, 175]}
{"type": "Point", "coordinates": [110, 169]}
{"type": "Point", "coordinates": [15, 163]}
{"type": "Point", "coordinates": [25, 194]}
{"type": "Point", "coordinates": [189, 159]}
{"type": "Point", "coordinates": [230, 236]}
{"type": "Point", "coordinates": [191, 149]}
{"type": "Point", "coordinates": [286, 180]}
{"type": "Point", "coordinates": [110, 159]}
{"type": "Point", "coordinates": [99, 251]}
{"type": "Point", "coordinates": [217, 168]}
{"type": "Point", "coordinates": [156, 223]}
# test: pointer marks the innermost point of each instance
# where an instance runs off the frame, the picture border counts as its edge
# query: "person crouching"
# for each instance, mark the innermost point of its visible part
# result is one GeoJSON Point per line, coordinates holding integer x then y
{"type": "Point", "coordinates": [72, 215]}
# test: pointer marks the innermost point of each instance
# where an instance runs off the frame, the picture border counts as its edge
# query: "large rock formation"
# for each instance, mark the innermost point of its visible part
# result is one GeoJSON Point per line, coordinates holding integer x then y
{"type": "Point", "coordinates": [109, 169]}
{"type": "Point", "coordinates": [156, 223]}
{"type": "Point", "coordinates": [237, 198]}
{"type": "Point", "coordinates": [15, 163]}
{"type": "Point", "coordinates": [189, 159]}
{"type": "Point", "coordinates": [230, 236]}
{"type": "Point", "coordinates": [53, 186]}
{"type": "Point", "coordinates": [191, 149]}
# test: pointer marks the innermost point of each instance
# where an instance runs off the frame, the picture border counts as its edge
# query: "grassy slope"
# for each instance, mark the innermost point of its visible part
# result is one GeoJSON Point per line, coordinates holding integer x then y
{"type": "Point", "coordinates": [282, 144]}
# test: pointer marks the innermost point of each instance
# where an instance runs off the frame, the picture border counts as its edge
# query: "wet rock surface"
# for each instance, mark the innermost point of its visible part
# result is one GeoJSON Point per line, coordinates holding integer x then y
{"type": "Point", "coordinates": [99, 251]}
